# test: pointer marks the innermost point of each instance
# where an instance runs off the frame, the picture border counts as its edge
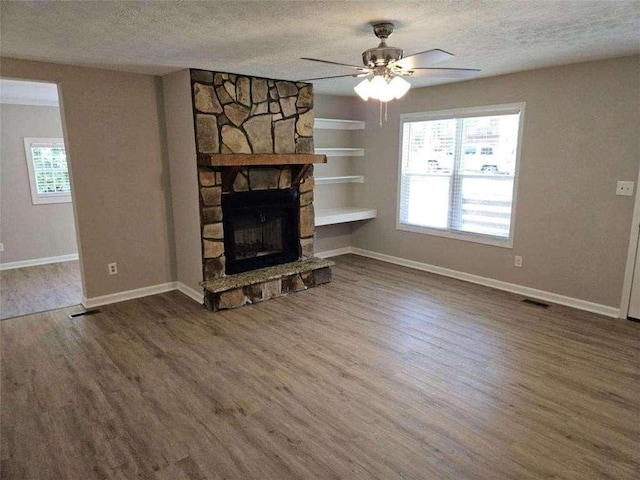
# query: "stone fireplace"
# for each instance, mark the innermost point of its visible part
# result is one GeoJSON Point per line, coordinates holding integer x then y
{"type": "Point", "coordinates": [254, 140]}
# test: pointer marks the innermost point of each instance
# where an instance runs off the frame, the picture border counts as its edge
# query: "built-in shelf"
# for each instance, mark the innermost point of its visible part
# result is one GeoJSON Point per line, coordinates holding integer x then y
{"type": "Point", "coordinates": [341, 152]}
{"type": "Point", "coordinates": [344, 179]}
{"type": "Point", "coordinates": [335, 124]}
{"type": "Point", "coordinates": [332, 216]}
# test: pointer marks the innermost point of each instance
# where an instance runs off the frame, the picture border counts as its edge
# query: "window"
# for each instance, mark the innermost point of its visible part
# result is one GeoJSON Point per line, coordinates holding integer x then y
{"type": "Point", "coordinates": [48, 172]}
{"type": "Point", "coordinates": [458, 173]}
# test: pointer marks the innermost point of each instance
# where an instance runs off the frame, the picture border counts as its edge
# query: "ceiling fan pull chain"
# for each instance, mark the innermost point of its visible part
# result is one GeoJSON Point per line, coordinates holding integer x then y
{"type": "Point", "coordinates": [380, 113]}
{"type": "Point", "coordinates": [386, 105]}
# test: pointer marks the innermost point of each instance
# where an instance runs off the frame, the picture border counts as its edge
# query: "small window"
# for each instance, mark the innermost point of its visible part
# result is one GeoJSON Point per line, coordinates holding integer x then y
{"type": "Point", "coordinates": [460, 180]}
{"type": "Point", "coordinates": [48, 171]}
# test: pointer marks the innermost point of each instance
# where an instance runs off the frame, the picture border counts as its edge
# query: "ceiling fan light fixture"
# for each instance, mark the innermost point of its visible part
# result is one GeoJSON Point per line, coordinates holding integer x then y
{"type": "Point", "coordinates": [378, 83]}
{"type": "Point", "coordinates": [382, 88]}
{"type": "Point", "coordinates": [399, 86]}
{"type": "Point", "coordinates": [386, 94]}
{"type": "Point", "coordinates": [363, 89]}
{"type": "Point", "coordinates": [379, 89]}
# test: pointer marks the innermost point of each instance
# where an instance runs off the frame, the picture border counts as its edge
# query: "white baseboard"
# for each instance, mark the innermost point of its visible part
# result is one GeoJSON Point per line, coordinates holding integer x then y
{"type": "Point", "coordinates": [490, 282]}
{"type": "Point", "coordinates": [38, 261]}
{"type": "Point", "coordinates": [447, 272]}
{"type": "Point", "coordinates": [196, 295]}
{"type": "Point", "coordinates": [143, 292]}
{"type": "Point", "coordinates": [334, 253]}
{"type": "Point", "coordinates": [128, 295]}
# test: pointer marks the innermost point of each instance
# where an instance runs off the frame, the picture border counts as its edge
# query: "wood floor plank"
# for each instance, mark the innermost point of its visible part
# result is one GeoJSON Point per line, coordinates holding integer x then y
{"type": "Point", "coordinates": [27, 290]}
{"type": "Point", "coordinates": [386, 373]}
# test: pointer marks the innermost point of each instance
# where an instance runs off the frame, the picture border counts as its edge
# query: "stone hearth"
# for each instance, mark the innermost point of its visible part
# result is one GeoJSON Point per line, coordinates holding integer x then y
{"type": "Point", "coordinates": [266, 283]}
{"type": "Point", "coordinates": [253, 134]}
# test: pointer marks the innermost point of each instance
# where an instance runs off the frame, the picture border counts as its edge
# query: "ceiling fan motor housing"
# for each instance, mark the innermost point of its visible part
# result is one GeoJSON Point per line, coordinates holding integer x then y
{"type": "Point", "coordinates": [381, 56]}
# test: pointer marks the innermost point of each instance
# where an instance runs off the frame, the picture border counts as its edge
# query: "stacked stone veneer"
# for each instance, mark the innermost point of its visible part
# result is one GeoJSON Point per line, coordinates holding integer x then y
{"type": "Point", "coordinates": [249, 115]}
{"type": "Point", "coordinates": [239, 114]}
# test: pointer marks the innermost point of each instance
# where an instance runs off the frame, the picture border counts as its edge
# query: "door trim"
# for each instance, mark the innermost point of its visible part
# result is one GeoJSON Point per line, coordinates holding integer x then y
{"type": "Point", "coordinates": [70, 167]}
{"type": "Point", "coordinates": [631, 254]}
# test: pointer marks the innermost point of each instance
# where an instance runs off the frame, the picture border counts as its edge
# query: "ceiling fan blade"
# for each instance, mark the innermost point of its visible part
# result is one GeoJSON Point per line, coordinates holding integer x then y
{"type": "Point", "coordinates": [334, 63]}
{"type": "Point", "coordinates": [422, 59]}
{"type": "Point", "coordinates": [445, 72]}
{"type": "Point", "coordinates": [355, 75]}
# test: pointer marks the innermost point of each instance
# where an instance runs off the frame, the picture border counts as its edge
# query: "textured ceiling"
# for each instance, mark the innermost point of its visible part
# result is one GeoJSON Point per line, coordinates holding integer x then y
{"type": "Point", "coordinates": [266, 38]}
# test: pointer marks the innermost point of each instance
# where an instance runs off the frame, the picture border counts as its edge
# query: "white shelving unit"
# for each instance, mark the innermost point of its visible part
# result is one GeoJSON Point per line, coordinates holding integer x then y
{"type": "Point", "coordinates": [341, 214]}
{"type": "Point", "coordinates": [344, 179]}
{"type": "Point", "coordinates": [332, 216]}
{"type": "Point", "coordinates": [341, 152]}
{"type": "Point", "coordinates": [335, 124]}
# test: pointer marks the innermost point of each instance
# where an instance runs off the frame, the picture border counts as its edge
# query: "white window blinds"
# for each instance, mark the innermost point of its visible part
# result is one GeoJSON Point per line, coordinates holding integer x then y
{"type": "Point", "coordinates": [458, 171]}
{"type": "Point", "coordinates": [48, 171]}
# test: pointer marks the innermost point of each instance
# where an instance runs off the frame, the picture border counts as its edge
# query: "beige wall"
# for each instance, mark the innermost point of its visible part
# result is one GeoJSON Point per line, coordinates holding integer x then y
{"type": "Point", "coordinates": [114, 132]}
{"type": "Point", "coordinates": [29, 231]}
{"type": "Point", "coordinates": [580, 137]}
{"type": "Point", "coordinates": [184, 177]}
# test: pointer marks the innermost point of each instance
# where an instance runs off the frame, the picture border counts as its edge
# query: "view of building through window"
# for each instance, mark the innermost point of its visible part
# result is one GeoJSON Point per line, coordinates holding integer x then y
{"type": "Point", "coordinates": [458, 174]}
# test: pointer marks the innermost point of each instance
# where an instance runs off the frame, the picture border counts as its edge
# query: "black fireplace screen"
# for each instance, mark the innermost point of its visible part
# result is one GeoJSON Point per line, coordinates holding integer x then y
{"type": "Point", "coordinates": [260, 229]}
{"type": "Point", "coordinates": [258, 235]}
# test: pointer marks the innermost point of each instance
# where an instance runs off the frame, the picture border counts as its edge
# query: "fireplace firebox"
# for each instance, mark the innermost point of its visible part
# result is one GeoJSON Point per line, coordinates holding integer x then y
{"type": "Point", "coordinates": [260, 229]}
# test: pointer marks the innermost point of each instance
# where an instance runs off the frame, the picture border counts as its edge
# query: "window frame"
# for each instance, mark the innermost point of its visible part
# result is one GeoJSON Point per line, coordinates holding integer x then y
{"type": "Point", "coordinates": [47, 198]}
{"type": "Point", "coordinates": [457, 113]}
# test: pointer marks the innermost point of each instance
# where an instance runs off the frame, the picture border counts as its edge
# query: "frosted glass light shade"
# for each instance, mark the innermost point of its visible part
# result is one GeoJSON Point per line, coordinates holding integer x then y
{"type": "Point", "coordinates": [379, 88]}
{"type": "Point", "coordinates": [363, 89]}
{"type": "Point", "coordinates": [399, 86]}
{"type": "Point", "coordinates": [386, 94]}
{"type": "Point", "coordinates": [378, 83]}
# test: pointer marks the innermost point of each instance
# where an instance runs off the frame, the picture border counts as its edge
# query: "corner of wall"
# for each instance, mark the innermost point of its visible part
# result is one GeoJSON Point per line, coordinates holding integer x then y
{"type": "Point", "coordinates": [182, 161]}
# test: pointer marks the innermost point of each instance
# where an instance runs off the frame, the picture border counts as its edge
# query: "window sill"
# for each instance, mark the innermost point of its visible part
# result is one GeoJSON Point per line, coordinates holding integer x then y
{"type": "Point", "coordinates": [51, 199]}
{"type": "Point", "coordinates": [470, 237]}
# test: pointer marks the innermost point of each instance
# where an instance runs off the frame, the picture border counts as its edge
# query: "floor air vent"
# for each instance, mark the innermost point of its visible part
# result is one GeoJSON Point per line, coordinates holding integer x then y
{"type": "Point", "coordinates": [535, 303]}
{"type": "Point", "coordinates": [86, 312]}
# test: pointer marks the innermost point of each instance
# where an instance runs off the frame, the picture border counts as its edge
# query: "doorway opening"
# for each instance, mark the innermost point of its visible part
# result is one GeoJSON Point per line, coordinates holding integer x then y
{"type": "Point", "coordinates": [39, 261]}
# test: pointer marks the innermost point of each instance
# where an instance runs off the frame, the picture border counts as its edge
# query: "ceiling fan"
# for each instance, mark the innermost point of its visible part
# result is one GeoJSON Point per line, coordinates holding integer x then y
{"type": "Point", "coordinates": [387, 65]}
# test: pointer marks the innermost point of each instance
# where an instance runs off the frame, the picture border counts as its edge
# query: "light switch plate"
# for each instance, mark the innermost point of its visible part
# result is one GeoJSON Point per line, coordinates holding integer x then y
{"type": "Point", "coordinates": [624, 188]}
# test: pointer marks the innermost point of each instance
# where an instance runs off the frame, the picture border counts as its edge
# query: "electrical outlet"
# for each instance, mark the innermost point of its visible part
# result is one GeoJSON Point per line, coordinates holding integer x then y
{"type": "Point", "coordinates": [518, 261]}
{"type": "Point", "coordinates": [624, 188]}
{"type": "Point", "coordinates": [1, 247]}
{"type": "Point", "coordinates": [113, 268]}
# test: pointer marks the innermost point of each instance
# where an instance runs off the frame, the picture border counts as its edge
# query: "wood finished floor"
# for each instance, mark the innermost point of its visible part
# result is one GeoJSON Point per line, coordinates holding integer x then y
{"type": "Point", "coordinates": [36, 289]}
{"type": "Point", "coordinates": [387, 373]}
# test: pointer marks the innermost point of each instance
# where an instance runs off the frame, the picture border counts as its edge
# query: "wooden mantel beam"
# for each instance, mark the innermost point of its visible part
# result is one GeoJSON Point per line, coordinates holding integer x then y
{"type": "Point", "coordinates": [243, 160]}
